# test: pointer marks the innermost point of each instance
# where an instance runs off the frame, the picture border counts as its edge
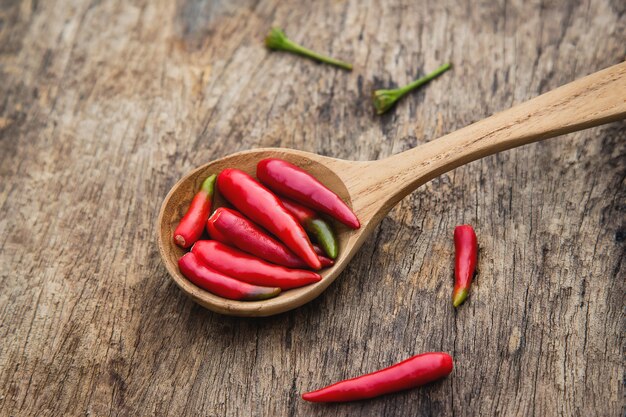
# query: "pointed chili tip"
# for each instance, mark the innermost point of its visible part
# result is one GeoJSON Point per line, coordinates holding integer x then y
{"type": "Point", "coordinates": [350, 219]}
{"type": "Point", "coordinates": [314, 261]}
{"type": "Point", "coordinates": [326, 262]}
{"type": "Point", "coordinates": [309, 396]}
{"type": "Point", "coordinates": [447, 364]}
{"type": "Point", "coordinates": [459, 296]}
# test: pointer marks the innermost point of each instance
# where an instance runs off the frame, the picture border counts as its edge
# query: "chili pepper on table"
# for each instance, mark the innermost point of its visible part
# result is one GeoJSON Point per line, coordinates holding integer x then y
{"type": "Point", "coordinates": [250, 269]}
{"type": "Point", "coordinates": [230, 227]}
{"type": "Point", "coordinates": [410, 373]}
{"type": "Point", "coordinates": [466, 254]}
{"type": "Point", "coordinates": [192, 224]}
{"type": "Point", "coordinates": [315, 225]}
{"type": "Point", "coordinates": [261, 206]}
{"type": "Point", "coordinates": [219, 284]}
{"type": "Point", "coordinates": [295, 183]}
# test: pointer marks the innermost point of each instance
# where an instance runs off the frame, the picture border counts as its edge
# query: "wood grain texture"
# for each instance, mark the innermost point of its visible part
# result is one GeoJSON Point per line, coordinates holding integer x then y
{"type": "Point", "coordinates": [104, 106]}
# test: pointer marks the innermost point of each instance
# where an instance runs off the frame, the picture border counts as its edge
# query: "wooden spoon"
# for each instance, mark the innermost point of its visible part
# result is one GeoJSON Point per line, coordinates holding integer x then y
{"type": "Point", "coordinates": [372, 188]}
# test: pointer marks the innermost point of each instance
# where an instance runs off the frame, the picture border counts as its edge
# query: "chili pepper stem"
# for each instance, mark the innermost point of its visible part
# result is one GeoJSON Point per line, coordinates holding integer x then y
{"type": "Point", "coordinates": [208, 185]}
{"type": "Point", "coordinates": [459, 296]}
{"type": "Point", "coordinates": [277, 40]}
{"type": "Point", "coordinates": [421, 81]}
{"type": "Point", "coordinates": [385, 99]}
{"type": "Point", "coordinates": [192, 223]}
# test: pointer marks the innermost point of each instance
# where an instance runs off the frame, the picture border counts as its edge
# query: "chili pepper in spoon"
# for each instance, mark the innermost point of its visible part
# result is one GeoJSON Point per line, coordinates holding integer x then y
{"type": "Point", "coordinates": [261, 206]}
{"type": "Point", "coordinates": [466, 254]}
{"type": "Point", "coordinates": [230, 227]}
{"type": "Point", "coordinates": [220, 284]}
{"type": "Point", "coordinates": [315, 225]}
{"type": "Point", "coordinates": [295, 183]}
{"type": "Point", "coordinates": [192, 224]}
{"type": "Point", "coordinates": [250, 269]}
{"type": "Point", "coordinates": [410, 373]}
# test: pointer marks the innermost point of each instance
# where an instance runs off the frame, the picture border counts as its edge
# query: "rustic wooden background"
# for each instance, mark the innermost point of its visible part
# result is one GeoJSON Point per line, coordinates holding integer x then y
{"type": "Point", "coordinates": [105, 104]}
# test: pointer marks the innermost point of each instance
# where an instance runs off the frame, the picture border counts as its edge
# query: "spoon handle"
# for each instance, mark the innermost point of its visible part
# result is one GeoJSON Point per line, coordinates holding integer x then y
{"type": "Point", "coordinates": [590, 101]}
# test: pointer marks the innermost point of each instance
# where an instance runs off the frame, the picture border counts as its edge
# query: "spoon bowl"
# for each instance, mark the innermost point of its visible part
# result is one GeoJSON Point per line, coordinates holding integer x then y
{"type": "Point", "coordinates": [181, 195]}
{"type": "Point", "coordinates": [372, 188]}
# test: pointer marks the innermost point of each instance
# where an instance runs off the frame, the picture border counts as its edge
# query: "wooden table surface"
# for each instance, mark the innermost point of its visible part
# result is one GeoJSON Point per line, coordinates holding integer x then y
{"type": "Point", "coordinates": [104, 105]}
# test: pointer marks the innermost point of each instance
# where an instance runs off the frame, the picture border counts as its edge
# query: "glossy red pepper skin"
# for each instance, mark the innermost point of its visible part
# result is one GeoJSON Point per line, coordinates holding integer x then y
{"type": "Point", "coordinates": [411, 373]}
{"type": "Point", "coordinates": [290, 181]}
{"type": "Point", "coordinates": [261, 206]}
{"type": "Point", "coordinates": [242, 234]}
{"type": "Point", "coordinates": [191, 225]}
{"type": "Point", "coordinates": [466, 255]}
{"type": "Point", "coordinates": [315, 226]}
{"type": "Point", "coordinates": [220, 284]}
{"type": "Point", "coordinates": [250, 269]}
{"type": "Point", "coordinates": [230, 227]}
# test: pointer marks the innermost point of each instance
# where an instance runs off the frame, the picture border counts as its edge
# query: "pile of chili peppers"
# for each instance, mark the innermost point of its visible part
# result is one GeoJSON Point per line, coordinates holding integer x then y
{"type": "Point", "coordinates": [274, 239]}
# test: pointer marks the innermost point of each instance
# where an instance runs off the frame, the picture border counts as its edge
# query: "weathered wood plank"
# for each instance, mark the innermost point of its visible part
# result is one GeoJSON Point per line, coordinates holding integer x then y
{"type": "Point", "coordinates": [104, 105]}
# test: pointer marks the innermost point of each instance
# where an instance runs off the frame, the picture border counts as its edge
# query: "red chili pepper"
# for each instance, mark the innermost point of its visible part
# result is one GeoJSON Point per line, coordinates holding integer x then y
{"type": "Point", "coordinates": [290, 181]}
{"type": "Point", "coordinates": [466, 253]}
{"type": "Point", "coordinates": [247, 236]}
{"type": "Point", "coordinates": [220, 284]}
{"type": "Point", "coordinates": [411, 373]}
{"type": "Point", "coordinates": [233, 229]}
{"type": "Point", "coordinates": [250, 269]}
{"type": "Point", "coordinates": [264, 208]}
{"type": "Point", "coordinates": [191, 225]}
{"type": "Point", "coordinates": [316, 226]}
